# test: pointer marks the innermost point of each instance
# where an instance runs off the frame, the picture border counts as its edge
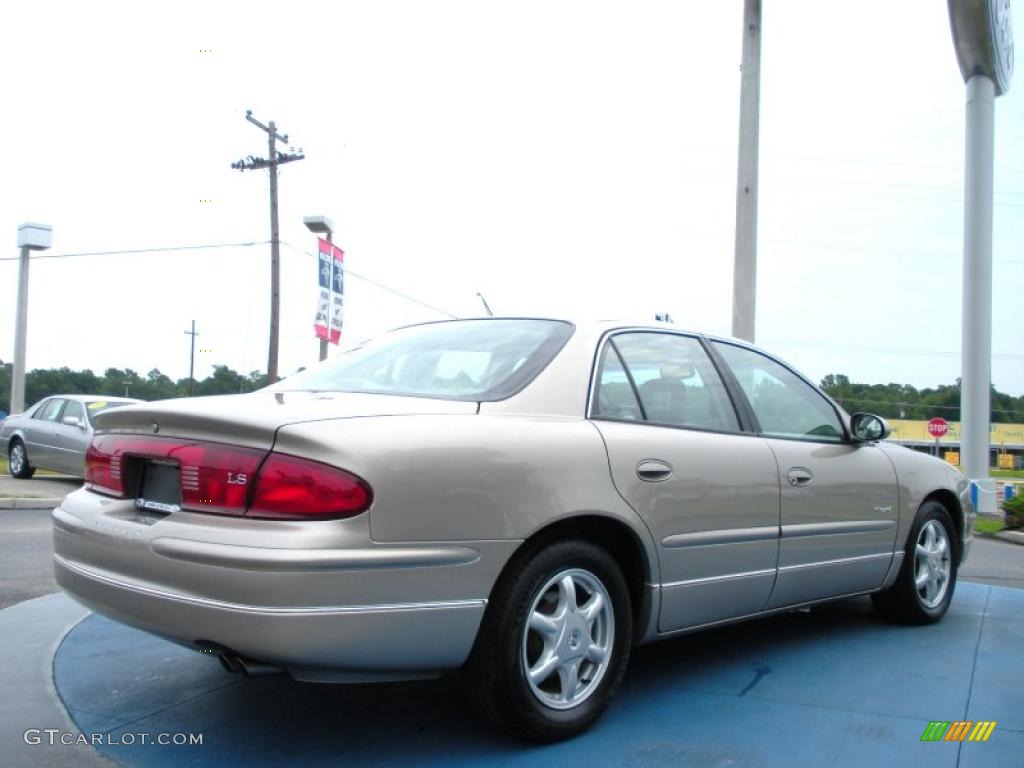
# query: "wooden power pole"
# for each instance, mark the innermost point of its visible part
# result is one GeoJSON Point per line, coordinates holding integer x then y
{"type": "Point", "coordinates": [192, 359]}
{"type": "Point", "coordinates": [274, 159]}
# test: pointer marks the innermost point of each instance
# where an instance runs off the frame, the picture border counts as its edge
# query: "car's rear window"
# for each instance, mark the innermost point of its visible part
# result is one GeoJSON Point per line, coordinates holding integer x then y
{"type": "Point", "coordinates": [95, 407]}
{"type": "Point", "coordinates": [472, 360]}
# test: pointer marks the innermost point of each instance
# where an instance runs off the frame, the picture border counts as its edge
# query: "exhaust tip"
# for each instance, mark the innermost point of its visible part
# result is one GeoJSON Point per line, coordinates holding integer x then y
{"type": "Point", "coordinates": [240, 665]}
{"type": "Point", "coordinates": [230, 663]}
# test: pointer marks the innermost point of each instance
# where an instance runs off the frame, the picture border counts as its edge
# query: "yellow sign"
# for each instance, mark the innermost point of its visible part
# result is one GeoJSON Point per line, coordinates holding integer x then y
{"type": "Point", "coordinates": [1001, 434]}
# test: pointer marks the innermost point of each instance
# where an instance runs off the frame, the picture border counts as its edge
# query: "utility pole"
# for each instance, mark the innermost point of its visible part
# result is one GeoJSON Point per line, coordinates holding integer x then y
{"type": "Point", "coordinates": [192, 359]}
{"type": "Point", "coordinates": [744, 277]}
{"type": "Point", "coordinates": [274, 159]}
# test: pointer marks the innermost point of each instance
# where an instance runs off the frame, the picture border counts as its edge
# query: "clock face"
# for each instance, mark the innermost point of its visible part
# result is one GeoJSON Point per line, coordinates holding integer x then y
{"type": "Point", "coordinates": [1001, 34]}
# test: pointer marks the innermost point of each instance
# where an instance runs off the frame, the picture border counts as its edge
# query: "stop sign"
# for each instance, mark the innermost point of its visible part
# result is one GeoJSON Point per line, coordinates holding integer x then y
{"type": "Point", "coordinates": [938, 427]}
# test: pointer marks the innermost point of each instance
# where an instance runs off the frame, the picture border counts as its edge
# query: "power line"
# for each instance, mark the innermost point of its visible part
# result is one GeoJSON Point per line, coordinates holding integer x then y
{"type": "Point", "coordinates": [854, 161]}
{"type": "Point", "coordinates": [893, 350]}
{"type": "Point", "coordinates": [407, 297]}
{"type": "Point", "coordinates": [927, 406]}
{"type": "Point", "coordinates": [45, 255]}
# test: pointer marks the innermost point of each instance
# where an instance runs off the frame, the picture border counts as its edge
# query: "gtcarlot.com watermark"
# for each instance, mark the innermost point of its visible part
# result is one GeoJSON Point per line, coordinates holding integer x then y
{"type": "Point", "coordinates": [54, 736]}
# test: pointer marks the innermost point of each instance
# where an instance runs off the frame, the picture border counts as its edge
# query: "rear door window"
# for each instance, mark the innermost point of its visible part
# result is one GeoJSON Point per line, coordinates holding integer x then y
{"type": "Point", "coordinates": [50, 410]}
{"type": "Point", "coordinates": [668, 379]}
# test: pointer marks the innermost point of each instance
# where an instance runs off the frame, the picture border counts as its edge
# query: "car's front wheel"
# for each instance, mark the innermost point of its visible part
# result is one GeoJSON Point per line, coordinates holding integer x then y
{"type": "Point", "coordinates": [924, 587]}
{"type": "Point", "coordinates": [554, 643]}
{"type": "Point", "coordinates": [17, 461]}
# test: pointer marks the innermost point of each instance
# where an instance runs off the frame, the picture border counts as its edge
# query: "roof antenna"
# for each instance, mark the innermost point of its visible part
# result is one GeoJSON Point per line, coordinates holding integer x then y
{"type": "Point", "coordinates": [486, 305]}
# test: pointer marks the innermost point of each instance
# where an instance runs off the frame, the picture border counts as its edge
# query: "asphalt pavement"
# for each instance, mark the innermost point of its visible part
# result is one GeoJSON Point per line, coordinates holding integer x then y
{"type": "Point", "coordinates": [996, 562]}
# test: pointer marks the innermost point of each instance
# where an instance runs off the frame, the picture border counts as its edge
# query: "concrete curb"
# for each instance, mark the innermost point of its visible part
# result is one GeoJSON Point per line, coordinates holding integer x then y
{"type": "Point", "coordinates": [31, 632]}
{"type": "Point", "coordinates": [1014, 537]}
{"type": "Point", "coordinates": [29, 503]}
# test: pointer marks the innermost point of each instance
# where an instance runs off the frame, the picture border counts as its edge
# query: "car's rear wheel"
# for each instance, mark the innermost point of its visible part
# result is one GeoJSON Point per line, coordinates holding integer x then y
{"type": "Point", "coordinates": [17, 461]}
{"type": "Point", "coordinates": [554, 643]}
{"type": "Point", "coordinates": [924, 587]}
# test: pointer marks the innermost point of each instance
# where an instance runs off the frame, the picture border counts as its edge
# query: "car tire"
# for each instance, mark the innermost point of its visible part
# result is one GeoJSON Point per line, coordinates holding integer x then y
{"type": "Point", "coordinates": [17, 461]}
{"type": "Point", "coordinates": [924, 587]}
{"type": "Point", "coordinates": [535, 622]}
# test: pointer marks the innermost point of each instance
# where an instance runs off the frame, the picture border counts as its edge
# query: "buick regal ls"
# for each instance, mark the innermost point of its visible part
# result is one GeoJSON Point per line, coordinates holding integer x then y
{"type": "Point", "coordinates": [522, 500]}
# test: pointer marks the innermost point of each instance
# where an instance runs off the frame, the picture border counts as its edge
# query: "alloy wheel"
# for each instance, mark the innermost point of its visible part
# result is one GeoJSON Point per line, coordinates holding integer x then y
{"type": "Point", "coordinates": [932, 563]}
{"type": "Point", "coordinates": [16, 458]}
{"type": "Point", "coordinates": [568, 639]}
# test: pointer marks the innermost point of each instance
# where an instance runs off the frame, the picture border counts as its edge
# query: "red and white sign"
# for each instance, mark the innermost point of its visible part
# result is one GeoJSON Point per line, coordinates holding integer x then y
{"type": "Point", "coordinates": [331, 288]}
{"type": "Point", "coordinates": [938, 427]}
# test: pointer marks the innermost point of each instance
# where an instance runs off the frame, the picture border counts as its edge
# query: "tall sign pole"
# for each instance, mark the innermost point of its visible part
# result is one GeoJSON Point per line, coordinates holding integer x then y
{"type": "Point", "coordinates": [983, 38]}
{"type": "Point", "coordinates": [274, 159]}
{"type": "Point", "coordinates": [31, 237]}
{"type": "Point", "coordinates": [744, 276]}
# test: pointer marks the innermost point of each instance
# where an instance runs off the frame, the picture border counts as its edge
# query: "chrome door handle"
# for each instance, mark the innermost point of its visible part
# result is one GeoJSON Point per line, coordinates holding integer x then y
{"type": "Point", "coordinates": [799, 476]}
{"type": "Point", "coordinates": [654, 470]}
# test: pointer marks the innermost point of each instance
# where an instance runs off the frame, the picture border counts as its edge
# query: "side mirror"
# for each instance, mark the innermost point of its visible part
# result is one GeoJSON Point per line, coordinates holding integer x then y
{"type": "Point", "coordinates": [73, 421]}
{"type": "Point", "coordinates": [866, 427]}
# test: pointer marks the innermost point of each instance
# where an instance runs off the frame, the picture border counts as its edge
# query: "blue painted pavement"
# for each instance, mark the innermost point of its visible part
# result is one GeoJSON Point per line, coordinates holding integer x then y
{"type": "Point", "coordinates": [836, 686]}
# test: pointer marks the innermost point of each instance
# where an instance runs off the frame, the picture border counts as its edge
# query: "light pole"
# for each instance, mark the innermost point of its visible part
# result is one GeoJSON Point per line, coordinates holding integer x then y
{"type": "Point", "coordinates": [31, 237]}
{"type": "Point", "coordinates": [983, 38]}
{"type": "Point", "coordinates": [321, 225]}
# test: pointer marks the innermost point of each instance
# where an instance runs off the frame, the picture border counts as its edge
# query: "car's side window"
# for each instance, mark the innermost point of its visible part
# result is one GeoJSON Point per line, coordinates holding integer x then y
{"type": "Point", "coordinates": [615, 396]}
{"type": "Point", "coordinates": [73, 409]}
{"type": "Point", "coordinates": [50, 410]}
{"type": "Point", "coordinates": [785, 405]}
{"type": "Point", "coordinates": [671, 381]}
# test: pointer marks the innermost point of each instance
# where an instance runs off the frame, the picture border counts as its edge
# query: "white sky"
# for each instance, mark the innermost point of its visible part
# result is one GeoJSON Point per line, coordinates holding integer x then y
{"type": "Point", "coordinates": [560, 157]}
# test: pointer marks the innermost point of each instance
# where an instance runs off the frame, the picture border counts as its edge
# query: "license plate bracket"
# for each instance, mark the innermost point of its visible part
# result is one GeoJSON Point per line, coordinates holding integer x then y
{"type": "Point", "coordinates": [159, 487]}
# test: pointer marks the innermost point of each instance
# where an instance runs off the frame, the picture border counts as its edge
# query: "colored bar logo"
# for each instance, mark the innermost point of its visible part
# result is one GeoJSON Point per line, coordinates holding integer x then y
{"type": "Point", "coordinates": [958, 730]}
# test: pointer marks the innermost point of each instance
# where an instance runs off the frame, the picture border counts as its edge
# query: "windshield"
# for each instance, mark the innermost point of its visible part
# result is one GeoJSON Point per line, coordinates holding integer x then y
{"type": "Point", "coordinates": [470, 360]}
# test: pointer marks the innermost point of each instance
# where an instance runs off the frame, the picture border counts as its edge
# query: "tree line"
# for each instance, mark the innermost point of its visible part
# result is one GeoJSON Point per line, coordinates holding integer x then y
{"type": "Point", "coordinates": [892, 401]}
{"type": "Point", "coordinates": [117, 382]}
{"type": "Point", "coordinates": [902, 401]}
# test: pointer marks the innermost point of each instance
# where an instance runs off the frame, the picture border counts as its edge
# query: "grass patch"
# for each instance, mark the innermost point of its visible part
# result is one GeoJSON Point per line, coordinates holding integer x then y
{"type": "Point", "coordinates": [39, 472]}
{"type": "Point", "coordinates": [988, 525]}
{"type": "Point", "coordinates": [1017, 474]}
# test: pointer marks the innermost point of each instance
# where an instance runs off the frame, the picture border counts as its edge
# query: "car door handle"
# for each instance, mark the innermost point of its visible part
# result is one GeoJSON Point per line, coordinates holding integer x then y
{"type": "Point", "coordinates": [653, 470]}
{"type": "Point", "coordinates": [799, 476]}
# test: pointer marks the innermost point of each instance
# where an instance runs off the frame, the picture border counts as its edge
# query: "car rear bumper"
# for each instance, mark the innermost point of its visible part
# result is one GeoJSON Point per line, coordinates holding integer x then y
{"type": "Point", "coordinates": [342, 643]}
{"type": "Point", "coordinates": [320, 600]}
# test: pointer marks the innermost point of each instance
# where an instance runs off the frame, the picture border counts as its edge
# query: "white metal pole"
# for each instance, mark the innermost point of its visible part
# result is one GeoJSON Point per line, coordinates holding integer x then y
{"type": "Point", "coordinates": [20, 333]}
{"type": "Point", "coordinates": [744, 280]}
{"type": "Point", "coordinates": [976, 342]}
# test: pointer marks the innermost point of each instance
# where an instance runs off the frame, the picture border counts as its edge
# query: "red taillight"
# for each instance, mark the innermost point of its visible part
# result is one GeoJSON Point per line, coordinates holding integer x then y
{"type": "Point", "coordinates": [220, 478]}
{"type": "Point", "coordinates": [103, 468]}
{"type": "Point", "coordinates": [290, 487]}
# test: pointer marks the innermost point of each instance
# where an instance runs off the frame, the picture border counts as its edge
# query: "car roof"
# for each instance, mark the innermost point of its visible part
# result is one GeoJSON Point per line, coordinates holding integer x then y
{"type": "Point", "coordinates": [96, 398]}
{"type": "Point", "coordinates": [601, 325]}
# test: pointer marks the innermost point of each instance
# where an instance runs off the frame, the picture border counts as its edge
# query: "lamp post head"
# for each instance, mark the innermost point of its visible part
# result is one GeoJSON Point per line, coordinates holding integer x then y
{"type": "Point", "coordinates": [321, 225]}
{"type": "Point", "coordinates": [983, 37]}
{"type": "Point", "coordinates": [35, 237]}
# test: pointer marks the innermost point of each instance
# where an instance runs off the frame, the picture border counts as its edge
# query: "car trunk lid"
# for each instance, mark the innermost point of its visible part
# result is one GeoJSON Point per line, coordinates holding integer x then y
{"type": "Point", "coordinates": [252, 420]}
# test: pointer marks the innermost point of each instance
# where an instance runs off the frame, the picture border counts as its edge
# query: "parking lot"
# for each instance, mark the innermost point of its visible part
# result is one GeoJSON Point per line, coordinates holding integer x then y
{"type": "Point", "coordinates": [834, 685]}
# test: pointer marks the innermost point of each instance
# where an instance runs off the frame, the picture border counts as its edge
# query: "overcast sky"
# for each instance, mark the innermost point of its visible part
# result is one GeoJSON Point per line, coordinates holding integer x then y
{"type": "Point", "coordinates": [562, 158]}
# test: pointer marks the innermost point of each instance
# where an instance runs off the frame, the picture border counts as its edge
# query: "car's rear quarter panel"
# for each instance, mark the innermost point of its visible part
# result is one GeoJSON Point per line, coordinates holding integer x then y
{"type": "Point", "coordinates": [449, 478]}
